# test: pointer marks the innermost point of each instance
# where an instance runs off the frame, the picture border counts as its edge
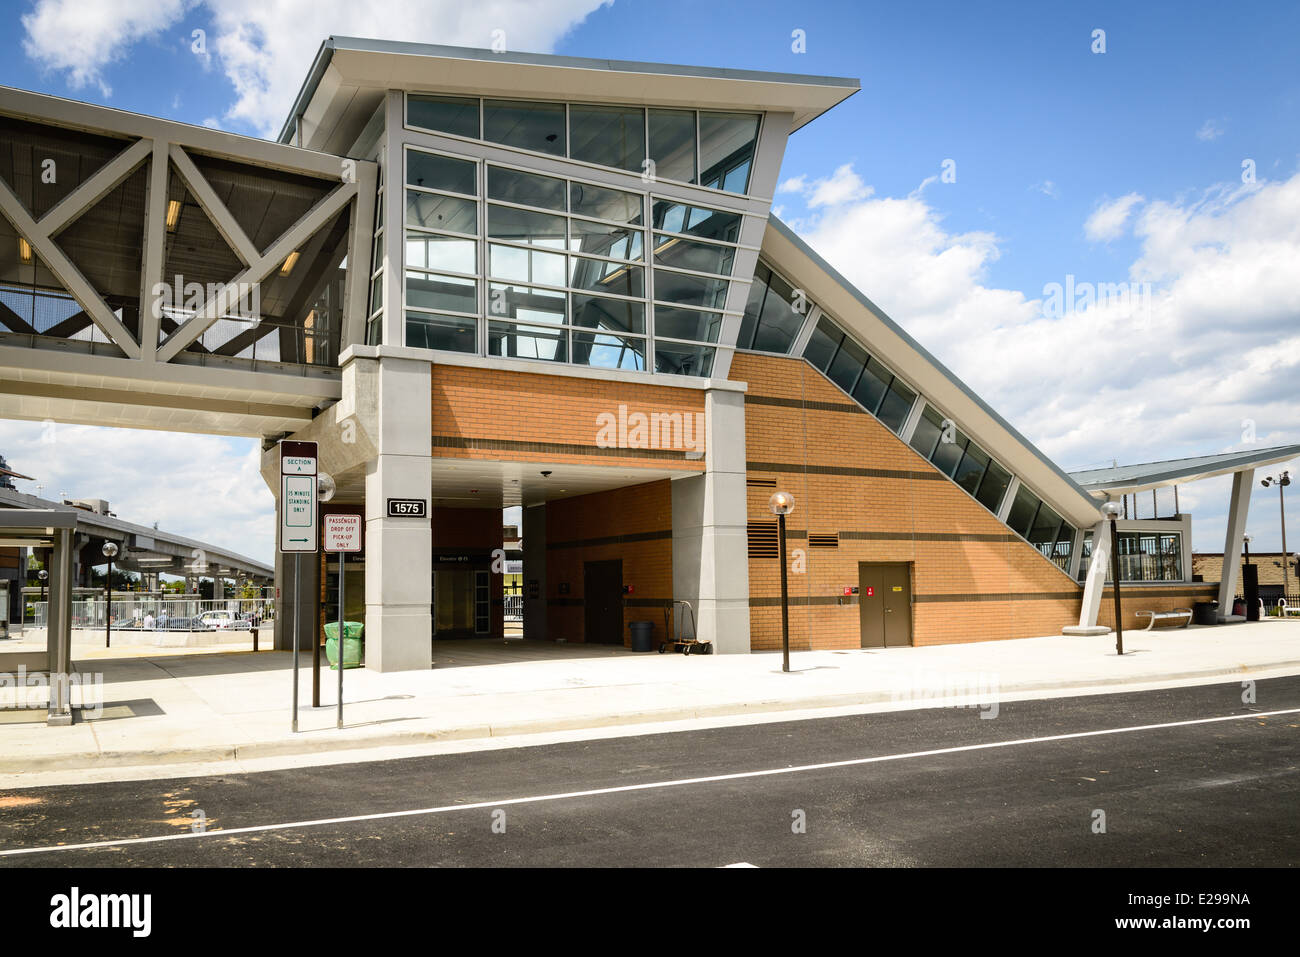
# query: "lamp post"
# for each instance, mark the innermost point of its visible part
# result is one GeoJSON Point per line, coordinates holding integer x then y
{"type": "Point", "coordinates": [325, 489]}
{"type": "Point", "coordinates": [782, 504]}
{"type": "Point", "coordinates": [1111, 510]}
{"type": "Point", "coordinates": [110, 552]}
{"type": "Point", "coordinates": [44, 576]}
{"type": "Point", "coordinates": [1281, 481]}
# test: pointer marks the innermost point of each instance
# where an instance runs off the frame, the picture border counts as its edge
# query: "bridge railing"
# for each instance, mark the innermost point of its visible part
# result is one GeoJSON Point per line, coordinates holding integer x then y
{"type": "Point", "coordinates": [166, 614]}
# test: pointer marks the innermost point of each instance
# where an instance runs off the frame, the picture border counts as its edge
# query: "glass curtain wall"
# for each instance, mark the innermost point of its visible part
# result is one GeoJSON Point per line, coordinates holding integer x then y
{"type": "Point", "coordinates": [700, 147]}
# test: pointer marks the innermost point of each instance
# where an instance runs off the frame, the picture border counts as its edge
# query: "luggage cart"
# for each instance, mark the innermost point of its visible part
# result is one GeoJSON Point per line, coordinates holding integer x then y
{"type": "Point", "coordinates": [681, 635]}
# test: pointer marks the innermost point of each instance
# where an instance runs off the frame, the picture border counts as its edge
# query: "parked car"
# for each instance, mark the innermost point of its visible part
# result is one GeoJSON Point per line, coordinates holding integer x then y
{"type": "Point", "coordinates": [221, 620]}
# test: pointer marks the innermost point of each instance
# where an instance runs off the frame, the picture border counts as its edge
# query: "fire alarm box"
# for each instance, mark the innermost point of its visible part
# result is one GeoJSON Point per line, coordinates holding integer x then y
{"type": "Point", "coordinates": [627, 589]}
{"type": "Point", "coordinates": [871, 591]}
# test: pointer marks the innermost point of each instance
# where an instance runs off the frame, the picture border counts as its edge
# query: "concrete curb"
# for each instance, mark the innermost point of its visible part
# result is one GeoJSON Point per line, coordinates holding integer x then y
{"type": "Point", "coordinates": [306, 743]}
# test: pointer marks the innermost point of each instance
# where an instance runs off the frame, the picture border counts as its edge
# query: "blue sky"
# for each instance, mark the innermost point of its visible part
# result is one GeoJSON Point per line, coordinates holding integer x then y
{"type": "Point", "coordinates": [1109, 167]}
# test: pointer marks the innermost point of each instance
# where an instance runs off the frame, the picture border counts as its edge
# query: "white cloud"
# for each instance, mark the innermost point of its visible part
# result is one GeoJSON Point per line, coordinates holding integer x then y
{"type": "Point", "coordinates": [1046, 187]}
{"type": "Point", "coordinates": [1108, 219]}
{"type": "Point", "coordinates": [83, 38]}
{"type": "Point", "coordinates": [1209, 131]}
{"type": "Point", "coordinates": [842, 186]}
{"type": "Point", "coordinates": [1220, 345]}
{"type": "Point", "coordinates": [265, 47]}
{"type": "Point", "coordinates": [203, 487]}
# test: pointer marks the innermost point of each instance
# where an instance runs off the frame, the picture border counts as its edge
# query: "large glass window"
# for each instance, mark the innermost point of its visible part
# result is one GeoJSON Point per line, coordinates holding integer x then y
{"type": "Point", "coordinates": [681, 359]}
{"type": "Point", "coordinates": [847, 364]}
{"type": "Point", "coordinates": [451, 333]}
{"type": "Point", "coordinates": [1033, 519]}
{"type": "Point", "coordinates": [609, 352]}
{"type": "Point", "coordinates": [602, 239]}
{"type": "Point", "coordinates": [672, 144]}
{"type": "Point", "coordinates": [526, 189]}
{"type": "Point", "coordinates": [599, 202]}
{"type": "Point", "coordinates": [526, 125]}
{"type": "Point", "coordinates": [443, 253]}
{"type": "Point", "coordinates": [608, 136]}
{"type": "Point", "coordinates": [436, 211]}
{"type": "Point", "coordinates": [598, 312]}
{"type": "Point", "coordinates": [774, 315]}
{"type": "Point", "coordinates": [1143, 556]}
{"type": "Point", "coordinates": [526, 226]}
{"type": "Point", "coordinates": [689, 290]}
{"type": "Point", "coordinates": [960, 458]}
{"type": "Point", "coordinates": [727, 149]}
{"type": "Point", "coordinates": [457, 115]}
{"type": "Point", "coordinates": [432, 171]}
{"type": "Point", "coordinates": [689, 254]}
{"type": "Point", "coordinates": [700, 221]}
{"type": "Point", "coordinates": [674, 323]}
{"type": "Point", "coordinates": [706, 147]}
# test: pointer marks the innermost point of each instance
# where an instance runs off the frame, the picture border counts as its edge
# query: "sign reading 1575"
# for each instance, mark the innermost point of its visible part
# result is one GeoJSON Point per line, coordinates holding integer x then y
{"type": "Point", "coordinates": [406, 508]}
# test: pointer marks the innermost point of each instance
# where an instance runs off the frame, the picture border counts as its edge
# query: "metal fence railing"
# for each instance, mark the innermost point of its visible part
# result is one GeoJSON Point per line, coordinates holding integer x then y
{"type": "Point", "coordinates": [514, 607]}
{"type": "Point", "coordinates": [1274, 608]}
{"type": "Point", "coordinates": [166, 614]}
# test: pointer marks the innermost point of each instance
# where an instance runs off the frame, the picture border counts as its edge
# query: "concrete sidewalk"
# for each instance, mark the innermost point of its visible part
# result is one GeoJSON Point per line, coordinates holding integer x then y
{"type": "Point", "coordinates": [171, 710]}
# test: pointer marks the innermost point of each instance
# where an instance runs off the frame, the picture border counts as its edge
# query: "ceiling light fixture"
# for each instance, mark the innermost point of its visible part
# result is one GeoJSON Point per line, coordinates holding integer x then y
{"type": "Point", "coordinates": [173, 214]}
{"type": "Point", "coordinates": [289, 263]}
{"type": "Point", "coordinates": [24, 251]}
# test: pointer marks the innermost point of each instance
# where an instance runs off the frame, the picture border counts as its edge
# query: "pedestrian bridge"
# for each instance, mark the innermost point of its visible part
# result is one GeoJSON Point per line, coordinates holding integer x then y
{"type": "Point", "coordinates": [166, 276]}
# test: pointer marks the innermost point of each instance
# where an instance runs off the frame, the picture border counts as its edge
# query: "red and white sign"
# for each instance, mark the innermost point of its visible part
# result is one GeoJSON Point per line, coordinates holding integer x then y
{"type": "Point", "coordinates": [871, 592]}
{"type": "Point", "coordinates": [342, 533]}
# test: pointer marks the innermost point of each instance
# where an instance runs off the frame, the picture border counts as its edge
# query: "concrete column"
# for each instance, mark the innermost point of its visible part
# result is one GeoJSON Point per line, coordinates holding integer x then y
{"type": "Point", "coordinates": [399, 559]}
{"type": "Point", "coordinates": [710, 544]}
{"type": "Point", "coordinates": [1238, 506]}
{"type": "Point", "coordinates": [534, 532]}
{"type": "Point", "coordinates": [218, 588]}
{"type": "Point", "coordinates": [58, 636]}
{"type": "Point", "coordinates": [1095, 585]}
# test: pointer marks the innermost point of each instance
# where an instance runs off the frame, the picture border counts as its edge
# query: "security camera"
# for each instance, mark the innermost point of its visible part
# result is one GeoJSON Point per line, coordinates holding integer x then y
{"type": "Point", "coordinates": [546, 473]}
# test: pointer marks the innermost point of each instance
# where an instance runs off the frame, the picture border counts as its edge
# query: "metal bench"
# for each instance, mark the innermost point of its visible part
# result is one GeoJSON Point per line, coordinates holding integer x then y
{"type": "Point", "coordinates": [1163, 615]}
{"type": "Point", "coordinates": [1284, 609]}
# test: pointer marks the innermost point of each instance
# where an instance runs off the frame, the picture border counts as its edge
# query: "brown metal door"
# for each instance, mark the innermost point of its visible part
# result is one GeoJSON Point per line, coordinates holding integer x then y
{"type": "Point", "coordinates": [871, 606]}
{"type": "Point", "coordinates": [602, 600]}
{"type": "Point", "coordinates": [898, 605]}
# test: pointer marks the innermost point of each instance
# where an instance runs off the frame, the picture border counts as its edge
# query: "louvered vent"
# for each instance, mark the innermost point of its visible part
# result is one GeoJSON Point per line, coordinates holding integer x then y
{"type": "Point", "coordinates": [762, 539]}
{"type": "Point", "coordinates": [761, 483]}
{"type": "Point", "coordinates": [824, 541]}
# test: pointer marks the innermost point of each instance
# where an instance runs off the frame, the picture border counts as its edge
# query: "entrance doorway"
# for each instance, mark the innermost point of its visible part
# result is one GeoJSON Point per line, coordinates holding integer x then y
{"type": "Point", "coordinates": [885, 604]}
{"type": "Point", "coordinates": [602, 600]}
{"type": "Point", "coordinates": [461, 603]}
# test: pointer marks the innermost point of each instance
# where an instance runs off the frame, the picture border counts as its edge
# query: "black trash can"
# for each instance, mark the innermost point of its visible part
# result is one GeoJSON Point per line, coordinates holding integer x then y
{"type": "Point", "coordinates": [1205, 613]}
{"type": "Point", "coordinates": [641, 635]}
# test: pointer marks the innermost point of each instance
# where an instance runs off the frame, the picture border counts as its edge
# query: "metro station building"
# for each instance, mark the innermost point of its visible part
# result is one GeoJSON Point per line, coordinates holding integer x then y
{"type": "Point", "coordinates": [482, 280]}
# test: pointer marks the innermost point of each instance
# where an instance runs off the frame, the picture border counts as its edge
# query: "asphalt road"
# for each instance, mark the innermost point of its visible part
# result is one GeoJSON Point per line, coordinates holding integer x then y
{"type": "Point", "coordinates": [1221, 793]}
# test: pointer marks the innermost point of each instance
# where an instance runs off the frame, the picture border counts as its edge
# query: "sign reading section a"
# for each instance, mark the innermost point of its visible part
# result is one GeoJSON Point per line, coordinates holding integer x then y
{"type": "Point", "coordinates": [298, 511]}
{"type": "Point", "coordinates": [343, 533]}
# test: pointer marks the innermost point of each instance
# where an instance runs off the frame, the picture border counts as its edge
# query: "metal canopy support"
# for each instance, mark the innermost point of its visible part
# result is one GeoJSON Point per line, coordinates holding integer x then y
{"type": "Point", "coordinates": [1237, 509]}
{"type": "Point", "coordinates": [1097, 569]}
{"type": "Point", "coordinates": [58, 640]}
{"type": "Point", "coordinates": [261, 267]}
{"type": "Point", "coordinates": [221, 217]}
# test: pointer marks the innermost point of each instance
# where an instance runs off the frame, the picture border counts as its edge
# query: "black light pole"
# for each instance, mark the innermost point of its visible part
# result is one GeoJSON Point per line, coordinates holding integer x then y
{"type": "Point", "coordinates": [782, 504]}
{"type": "Point", "coordinates": [1281, 481]}
{"type": "Point", "coordinates": [44, 576]}
{"type": "Point", "coordinates": [110, 552]}
{"type": "Point", "coordinates": [1111, 510]}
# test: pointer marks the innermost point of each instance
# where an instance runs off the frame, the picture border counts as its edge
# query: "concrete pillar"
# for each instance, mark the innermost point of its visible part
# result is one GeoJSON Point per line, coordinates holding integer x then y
{"type": "Point", "coordinates": [1238, 506]}
{"type": "Point", "coordinates": [534, 532]}
{"type": "Point", "coordinates": [399, 559]}
{"type": "Point", "coordinates": [218, 588]}
{"type": "Point", "coordinates": [1095, 585]}
{"type": "Point", "coordinates": [710, 543]}
{"type": "Point", "coordinates": [58, 636]}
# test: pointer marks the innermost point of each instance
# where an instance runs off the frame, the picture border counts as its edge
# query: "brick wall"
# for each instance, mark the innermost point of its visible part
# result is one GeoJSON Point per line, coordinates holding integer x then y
{"type": "Point", "coordinates": [1153, 598]}
{"type": "Point", "coordinates": [534, 417]}
{"type": "Point", "coordinates": [633, 524]}
{"type": "Point", "coordinates": [972, 578]}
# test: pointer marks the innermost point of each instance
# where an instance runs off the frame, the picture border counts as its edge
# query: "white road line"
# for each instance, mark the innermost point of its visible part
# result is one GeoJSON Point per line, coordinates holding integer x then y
{"type": "Point", "coordinates": [648, 786]}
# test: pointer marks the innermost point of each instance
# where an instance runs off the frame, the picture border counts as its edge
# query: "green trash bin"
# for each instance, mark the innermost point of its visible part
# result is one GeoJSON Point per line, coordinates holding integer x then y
{"type": "Point", "coordinates": [354, 644]}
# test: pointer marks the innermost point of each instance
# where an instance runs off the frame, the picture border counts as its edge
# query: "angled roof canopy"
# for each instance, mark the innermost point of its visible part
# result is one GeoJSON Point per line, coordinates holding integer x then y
{"type": "Point", "coordinates": [1138, 478]}
{"type": "Point", "coordinates": [787, 252]}
{"type": "Point", "coordinates": [349, 77]}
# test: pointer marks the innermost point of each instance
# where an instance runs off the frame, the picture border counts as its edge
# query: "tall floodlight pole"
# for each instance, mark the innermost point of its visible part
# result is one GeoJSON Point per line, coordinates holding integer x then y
{"type": "Point", "coordinates": [110, 552]}
{"type": "Point", "coordinates": [1281, 481]}
{"type": "Point", "coordinates": [782, 504]}
{"type": "Point", "coordinates": [1111, 510]}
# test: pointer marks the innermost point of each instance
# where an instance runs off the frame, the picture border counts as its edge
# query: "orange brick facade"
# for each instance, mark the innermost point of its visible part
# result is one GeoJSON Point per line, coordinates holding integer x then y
{"type": "Point", "coordinates": [971, 578]}
{"type": "Point", "coordinates": [527, 417]}
{"type": "Point", "coordinates": [633, 524]}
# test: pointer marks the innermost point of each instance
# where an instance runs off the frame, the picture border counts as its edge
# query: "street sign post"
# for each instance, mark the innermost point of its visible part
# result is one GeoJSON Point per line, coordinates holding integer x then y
{"type": "Point", "coordinates": [343, 534]}
{"type": "Point", "coordinates": [298, 528]}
